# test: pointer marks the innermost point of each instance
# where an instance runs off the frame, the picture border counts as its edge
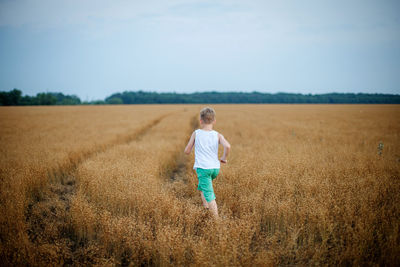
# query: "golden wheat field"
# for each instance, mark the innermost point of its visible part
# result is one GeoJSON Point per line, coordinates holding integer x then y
{"type": "Point", "coordinates": [110, 185]}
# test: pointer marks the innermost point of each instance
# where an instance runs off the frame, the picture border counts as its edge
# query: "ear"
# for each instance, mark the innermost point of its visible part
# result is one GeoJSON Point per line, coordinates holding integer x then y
{"type": "Point", "coordinates": [215, 120]}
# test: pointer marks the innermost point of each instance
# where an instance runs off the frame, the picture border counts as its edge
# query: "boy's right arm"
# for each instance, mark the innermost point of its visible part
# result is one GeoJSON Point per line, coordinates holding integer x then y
{"type": "Point", "coordinates": [227, 147]}
{"type": "Point", "coordinates": [190, 144]}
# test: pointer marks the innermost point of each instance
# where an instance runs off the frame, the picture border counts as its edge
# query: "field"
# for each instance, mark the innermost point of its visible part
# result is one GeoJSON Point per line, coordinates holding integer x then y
{"type": "Point", "coordinates": [110, 185]}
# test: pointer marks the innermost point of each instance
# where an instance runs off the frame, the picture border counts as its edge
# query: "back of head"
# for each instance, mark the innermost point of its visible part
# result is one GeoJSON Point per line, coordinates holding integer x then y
{"type": "Point", "coordinates": [207, 115]}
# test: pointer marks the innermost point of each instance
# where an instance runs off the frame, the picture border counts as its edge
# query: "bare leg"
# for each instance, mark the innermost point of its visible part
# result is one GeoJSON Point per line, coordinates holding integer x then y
{"type": "Point", "coordinates": [213, 208]}
{"type": "Point", "coordinates": [205, 204]}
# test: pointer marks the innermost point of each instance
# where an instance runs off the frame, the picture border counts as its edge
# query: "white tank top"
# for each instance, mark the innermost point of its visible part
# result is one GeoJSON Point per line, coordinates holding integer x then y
{"type": "Point", "coordinates": [206, 150]}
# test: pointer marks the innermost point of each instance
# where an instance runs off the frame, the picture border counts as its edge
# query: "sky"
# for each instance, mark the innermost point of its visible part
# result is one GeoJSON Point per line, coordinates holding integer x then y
{"type": "Point", "coordinates": [96, 48]}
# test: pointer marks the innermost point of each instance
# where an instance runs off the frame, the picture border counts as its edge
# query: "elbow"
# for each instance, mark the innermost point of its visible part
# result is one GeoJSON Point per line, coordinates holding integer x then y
{"type": "Point", "coordinates": [228, 148]}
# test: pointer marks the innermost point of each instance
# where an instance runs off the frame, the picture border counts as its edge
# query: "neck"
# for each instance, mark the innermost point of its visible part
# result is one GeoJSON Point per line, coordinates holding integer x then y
{"type": "Point", "coordinates": [206, 127]}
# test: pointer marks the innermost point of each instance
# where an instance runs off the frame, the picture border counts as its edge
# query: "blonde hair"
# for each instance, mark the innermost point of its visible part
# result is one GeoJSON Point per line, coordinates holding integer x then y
{"type": "Point", "coordinates": [207, 115]}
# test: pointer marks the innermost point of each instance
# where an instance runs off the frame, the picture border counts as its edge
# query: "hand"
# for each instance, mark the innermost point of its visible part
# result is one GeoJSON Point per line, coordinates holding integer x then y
{"type": "Point", "coordinates": [223, 160]}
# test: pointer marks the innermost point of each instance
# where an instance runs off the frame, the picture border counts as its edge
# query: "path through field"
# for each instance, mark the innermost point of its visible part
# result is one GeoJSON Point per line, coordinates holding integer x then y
{"type": "Point", "coordinates": [178, 179]}
{"type": "Point", "coordinates": [49, 218]}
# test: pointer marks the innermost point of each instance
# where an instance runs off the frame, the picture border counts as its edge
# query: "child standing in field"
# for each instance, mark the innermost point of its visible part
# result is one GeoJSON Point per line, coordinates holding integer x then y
{"type": "Point", "coordinates": [206, 141]}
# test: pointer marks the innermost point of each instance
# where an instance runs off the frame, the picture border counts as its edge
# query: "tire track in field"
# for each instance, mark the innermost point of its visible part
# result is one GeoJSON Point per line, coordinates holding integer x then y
{"type": "Point", "coordinates": [48, 215]}
{"type": "Point", "coordinates": [177, 178]}
{"type": "Point", "coordinates": [179, 172]}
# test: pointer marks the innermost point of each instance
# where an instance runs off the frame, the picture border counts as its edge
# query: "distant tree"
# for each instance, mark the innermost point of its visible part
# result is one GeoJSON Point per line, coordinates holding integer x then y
{"type": "Point", "coordinates": [114, 100]}
{"type": "Point", "coordinates": [66, 99]}
{"type": "Point", "coordinates": [46, 99]}
{"type": "Point", "coordinates": [98, 102]}
{"type": "Point", "coordinates": [27, 100]}
{"type": "Point", "coordinates": [11, 98]}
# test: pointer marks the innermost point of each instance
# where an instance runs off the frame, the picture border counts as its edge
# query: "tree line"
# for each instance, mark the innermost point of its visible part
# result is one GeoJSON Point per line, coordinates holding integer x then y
{"type": "Point", "coordinates": [15, 98]}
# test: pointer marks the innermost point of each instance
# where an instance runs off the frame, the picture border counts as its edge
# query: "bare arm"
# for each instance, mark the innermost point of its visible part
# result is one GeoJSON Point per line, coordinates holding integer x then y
{"type": "Point", "coordinates": [190, 144]}
{"type": "Point", "coordinates": [227, 148]}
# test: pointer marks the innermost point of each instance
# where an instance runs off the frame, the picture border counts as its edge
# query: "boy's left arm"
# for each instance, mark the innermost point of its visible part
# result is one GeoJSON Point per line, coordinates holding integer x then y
{"type": "Point", "coordinates": [190, 144]}
{"type": "Point", "coordinates": [227, 148]}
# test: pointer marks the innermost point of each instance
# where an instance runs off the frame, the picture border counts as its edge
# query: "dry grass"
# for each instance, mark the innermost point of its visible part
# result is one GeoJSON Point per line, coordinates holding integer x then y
{"type": "Point", "coordinates": [40, 146]}
{"type": "Point", "coordinates": [305, 184]}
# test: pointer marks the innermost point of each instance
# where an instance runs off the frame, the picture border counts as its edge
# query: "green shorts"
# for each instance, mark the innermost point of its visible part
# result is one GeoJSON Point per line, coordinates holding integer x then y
{"type": "Point", "coordinates": [205, 177]}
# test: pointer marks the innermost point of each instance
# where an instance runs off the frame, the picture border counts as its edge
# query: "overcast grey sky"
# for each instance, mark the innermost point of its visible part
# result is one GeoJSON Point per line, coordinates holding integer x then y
{"type": "Point", "coordinates": [95, 48]}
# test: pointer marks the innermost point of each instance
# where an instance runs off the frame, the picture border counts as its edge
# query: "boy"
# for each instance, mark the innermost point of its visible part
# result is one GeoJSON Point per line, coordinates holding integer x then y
{"type": "Point", "coordinates": [205, 141]}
